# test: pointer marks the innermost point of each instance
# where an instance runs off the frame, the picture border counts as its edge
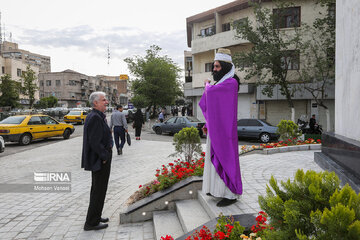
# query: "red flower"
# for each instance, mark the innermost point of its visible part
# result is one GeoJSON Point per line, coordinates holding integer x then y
{"type": "Point", "coordinates": [167, 238]}
{"type": "Point", "coordinates": [203, 154]}
{"type": "Point", "coordinates": [171, 164]}
{"type": "Point", "coordinates": [220, 235]}
{"type": "Point", "coordinates": [140, 186]}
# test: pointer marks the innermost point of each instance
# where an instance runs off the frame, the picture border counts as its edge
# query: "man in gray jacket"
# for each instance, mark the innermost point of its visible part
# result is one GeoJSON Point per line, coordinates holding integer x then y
{"type": "Point", "coordinates": [118, 121]}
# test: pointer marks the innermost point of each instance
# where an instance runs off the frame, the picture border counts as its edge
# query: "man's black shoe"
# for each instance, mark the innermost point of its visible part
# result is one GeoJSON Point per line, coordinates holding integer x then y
{"type": "Point", "coordinates": [97, 227]}
{"type": "Point", "coordinates": [104, 220]}
{"type": "Point", "coordinates": [120, 151]}
{"type": "Point", "coordinates": [225, 202]}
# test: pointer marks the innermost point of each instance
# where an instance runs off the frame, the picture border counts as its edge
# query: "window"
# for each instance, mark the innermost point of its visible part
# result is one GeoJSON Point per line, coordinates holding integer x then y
{"type": "Point", "coordinates": [254, 123]}
{"type": "Point", "coordinates": [171, 120]}
{"type": "Point", "coordinates": [242, 122]}
{"type": "Point", "coordinates": [18, 72]}
{"type": "Point", "coordinates": [208, 67]}
{"type": "Point", "coordinates": [35, 121]}
{"type": "Point", "coordinates": [207, 31]}
{"type": "Point", "coordinates": [3, 70]}
{"type": "Point", "coordinates": [226, 27]}
{"type": "Point", "coordinates": [180, 121]}
{"type": "Point", "coordinates": [41, 83]}
{"type": "Point", "coordinates": [58, 82]}
{"type": "Point", "coordinates": [48, 82]}
{"type": "Point", "coordinates": [287, 17]}
{"type": "Point", "coordinates": [48, 120]}
{"type": "Point", "coordinates": [72, 82]}
{"type": "Point", "coordinates": [291, 60]}
{"type": "Point", "coordinates": [240, 22]}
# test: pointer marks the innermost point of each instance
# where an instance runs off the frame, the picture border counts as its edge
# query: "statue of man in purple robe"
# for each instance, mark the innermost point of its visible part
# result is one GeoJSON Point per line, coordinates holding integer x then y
{"type": "Point", "coordinates": [222, 176]}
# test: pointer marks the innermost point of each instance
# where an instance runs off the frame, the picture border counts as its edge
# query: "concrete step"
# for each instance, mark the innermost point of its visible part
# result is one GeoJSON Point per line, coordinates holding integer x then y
{"type": "Point", "coordinates": [191, 214]}
{"type": "Point", "coordinates": [209, 204]}
{"type": "Point", "coordinates": [166, 223]}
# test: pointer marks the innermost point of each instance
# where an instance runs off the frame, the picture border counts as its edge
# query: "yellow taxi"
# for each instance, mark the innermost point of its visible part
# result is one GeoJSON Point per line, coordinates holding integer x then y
{"type": "Point", "coordinates": [25, 128]}
{"type": "Point", "coordinates": [75, 116]}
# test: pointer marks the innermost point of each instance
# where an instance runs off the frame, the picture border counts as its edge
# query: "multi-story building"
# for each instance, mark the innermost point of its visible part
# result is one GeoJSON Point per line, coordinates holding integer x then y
{"type": "Point", "coordinates": [72, 89]}
{"type": "Point", "coordinates": [120, 84]}
{"type": "Point", "coordinates": [10, 50]}
{"type": "Point", "coordinates": [213, 29]}
{"type": "Point", "coordinates": [13, 61]}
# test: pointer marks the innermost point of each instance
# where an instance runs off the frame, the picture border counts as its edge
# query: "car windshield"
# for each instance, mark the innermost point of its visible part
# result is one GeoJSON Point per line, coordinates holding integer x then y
{"type": "Point", "coordinates": [193, 119]}
{"type": "Point", "coordinates": [13, 120]}
{"type": "Point", "coordinates": [74, 113]}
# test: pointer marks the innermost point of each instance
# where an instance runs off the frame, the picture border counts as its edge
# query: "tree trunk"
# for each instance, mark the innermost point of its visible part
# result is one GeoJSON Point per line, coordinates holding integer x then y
{"type": "Point", "coordinates": [327, 120]}
{"type": "Point", "coordinates": [293, 114]}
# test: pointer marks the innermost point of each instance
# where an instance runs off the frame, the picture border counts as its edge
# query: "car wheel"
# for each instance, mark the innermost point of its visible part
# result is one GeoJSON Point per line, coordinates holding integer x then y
{"type": "Point", "coordinates": [25, 139]}
{"type": "Point", "coordinates": [265, 137]}
{"type": "Point", "coordinates": [158, 131]}
{"type": "Point", "coordinates": [2, 148]}
{"type": "Point", "coordinates": [66, 133]}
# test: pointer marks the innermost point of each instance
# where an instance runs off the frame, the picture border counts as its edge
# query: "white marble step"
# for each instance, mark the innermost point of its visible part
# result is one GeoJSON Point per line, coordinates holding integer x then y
{"type": "Point", "coordinates": [191, 214]}
{"type": "Point", "coordinates": [166, 223]}
{"type": "Point", "coordinates": [209, 204]}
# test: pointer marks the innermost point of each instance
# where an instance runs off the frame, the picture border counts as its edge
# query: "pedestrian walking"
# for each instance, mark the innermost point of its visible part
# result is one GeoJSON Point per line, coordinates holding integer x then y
{"type": "Point", "coordinates": [96, 157]}
{"type": "Point", "coordinates": [138, 123]}
{"type": "Point", "coordinates": [161, 116]}
{"type": "Point", "coordinates": [183, 109]}
{"type": "Point", "coordinates": [222, 176]}
{"type": "Point", "coordinates": [118, 122]}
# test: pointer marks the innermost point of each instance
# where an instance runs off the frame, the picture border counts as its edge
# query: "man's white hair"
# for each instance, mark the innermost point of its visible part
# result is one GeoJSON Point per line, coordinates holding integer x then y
{"type": "Point", "coordinates": [95, 96]}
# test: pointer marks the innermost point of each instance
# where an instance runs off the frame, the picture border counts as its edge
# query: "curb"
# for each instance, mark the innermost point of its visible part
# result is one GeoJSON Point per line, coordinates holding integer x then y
{"type": "Point", "coordinates": [267, 151]}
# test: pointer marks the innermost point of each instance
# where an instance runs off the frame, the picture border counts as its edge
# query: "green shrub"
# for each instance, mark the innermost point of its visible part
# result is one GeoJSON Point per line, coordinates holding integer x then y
{"type": "Point", "coordinates": [287, 129]}
{"type": "Point", "coordinates": [311, 207]}
{"type": "Point", "coordinates": [187, 144]}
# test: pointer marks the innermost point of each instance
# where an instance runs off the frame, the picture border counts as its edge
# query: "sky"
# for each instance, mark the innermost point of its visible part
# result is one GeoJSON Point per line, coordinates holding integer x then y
{"type": "Point", "coordinates": [77, 33]}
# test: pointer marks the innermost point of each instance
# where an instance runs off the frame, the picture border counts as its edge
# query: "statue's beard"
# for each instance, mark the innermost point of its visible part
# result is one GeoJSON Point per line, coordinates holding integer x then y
{"type": "Point", "coordinates": [217, 75]}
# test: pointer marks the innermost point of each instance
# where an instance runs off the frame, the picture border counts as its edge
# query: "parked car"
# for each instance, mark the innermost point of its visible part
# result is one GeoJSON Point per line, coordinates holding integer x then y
{"type": "Point", "coordinates": [25, 128]}
{"type": "Point", "coordinates": [2, 144]}
{"type": "Point", "coordinates": [256, 128]}
{"type": "Point", "coordinates": [175, 124]}
{"type": "Point", "coordinates": [75, 117]}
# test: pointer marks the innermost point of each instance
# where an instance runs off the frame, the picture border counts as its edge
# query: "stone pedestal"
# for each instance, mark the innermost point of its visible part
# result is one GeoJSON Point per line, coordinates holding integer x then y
{"type": "Point", "coordinates": [341, 155]}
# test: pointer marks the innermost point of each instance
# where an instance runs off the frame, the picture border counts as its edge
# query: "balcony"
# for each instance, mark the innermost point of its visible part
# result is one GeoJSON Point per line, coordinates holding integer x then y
{"type": "Point", "coordinates": [223, 39]}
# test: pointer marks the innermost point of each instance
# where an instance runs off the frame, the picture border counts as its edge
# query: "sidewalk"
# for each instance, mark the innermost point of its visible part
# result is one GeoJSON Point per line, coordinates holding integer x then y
{"type": "Point", "coordinates": [62, 215]}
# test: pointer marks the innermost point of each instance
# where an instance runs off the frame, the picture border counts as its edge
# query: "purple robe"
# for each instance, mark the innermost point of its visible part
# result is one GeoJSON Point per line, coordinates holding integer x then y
{"type": "Point", "coordinates": [219, 106]}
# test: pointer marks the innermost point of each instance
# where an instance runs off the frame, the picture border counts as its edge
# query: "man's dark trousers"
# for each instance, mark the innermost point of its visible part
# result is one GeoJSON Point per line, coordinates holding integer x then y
{"type": "Point", "coordinates": [99, 184]}
{"type": "Point", "coordinates": [119, 132]}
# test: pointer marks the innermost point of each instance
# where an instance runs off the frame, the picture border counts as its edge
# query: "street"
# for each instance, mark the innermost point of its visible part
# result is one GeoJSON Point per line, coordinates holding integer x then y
{"type": "Point", "coordinates": [147, 134]}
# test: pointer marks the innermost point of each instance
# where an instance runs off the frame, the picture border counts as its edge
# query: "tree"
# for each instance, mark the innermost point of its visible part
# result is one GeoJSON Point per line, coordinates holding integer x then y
{"type": "Point", "coordinates": [9, 92]}
{"type": "Point", "coordinates": [318, 53]}
{"type": "Point", "coordinates": [47, 102]}
{"type": "Point", "coordinates": [156, 79]}
{"type": "Point", "coordinates": [272, 54]}
{"type": "Point", "coordinates": [29, 87]}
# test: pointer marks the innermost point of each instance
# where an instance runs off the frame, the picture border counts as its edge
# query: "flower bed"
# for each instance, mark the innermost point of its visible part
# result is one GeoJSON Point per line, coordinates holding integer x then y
{"type": "Point", "coordinates": [290, 142]}
{"type": "Point", "coordinates": [227, 228]}
{"type": "Point", "coordinates": [169, 175]}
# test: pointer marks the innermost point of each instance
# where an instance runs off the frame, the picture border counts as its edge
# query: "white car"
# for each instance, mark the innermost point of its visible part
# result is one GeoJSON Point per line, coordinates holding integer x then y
{"type": "Point", "coordinates": [2, 144]}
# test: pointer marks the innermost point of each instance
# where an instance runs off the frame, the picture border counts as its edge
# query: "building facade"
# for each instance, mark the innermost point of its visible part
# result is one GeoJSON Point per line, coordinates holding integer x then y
{"type": "Point", "coordinates": [213, 29]}
{"type": "Point", "coordinates": [72, 89]}
{"type": "Point", "coordinates": [14, 61]}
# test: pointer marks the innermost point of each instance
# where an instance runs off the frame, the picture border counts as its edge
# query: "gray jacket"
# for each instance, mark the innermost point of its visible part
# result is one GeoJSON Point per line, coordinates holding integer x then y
{"type": "Point", "coordinates": [118, 119]}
